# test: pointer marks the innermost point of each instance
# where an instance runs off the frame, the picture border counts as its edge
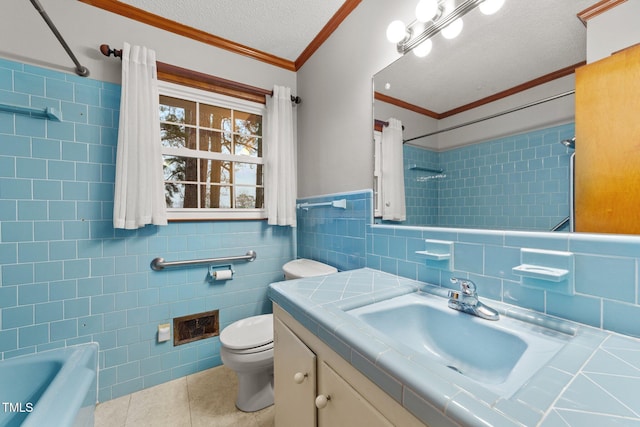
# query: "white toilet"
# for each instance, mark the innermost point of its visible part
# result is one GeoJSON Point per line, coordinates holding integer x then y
{"type": "Point", "coordinates": [247, 345]}
{"type": "Point", "coordinates": [247, 348]}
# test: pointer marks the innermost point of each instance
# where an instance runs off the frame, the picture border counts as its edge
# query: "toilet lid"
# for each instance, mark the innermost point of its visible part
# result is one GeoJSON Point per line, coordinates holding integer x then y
{"type": "Point", "coordinates": [307, 268]}
{"type": "Point", "coordinates": [248, 333]}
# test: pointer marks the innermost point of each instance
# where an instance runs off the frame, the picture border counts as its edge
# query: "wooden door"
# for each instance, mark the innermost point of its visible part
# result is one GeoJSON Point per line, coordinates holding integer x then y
{"type": "Point", "coordinates": [607, 168]}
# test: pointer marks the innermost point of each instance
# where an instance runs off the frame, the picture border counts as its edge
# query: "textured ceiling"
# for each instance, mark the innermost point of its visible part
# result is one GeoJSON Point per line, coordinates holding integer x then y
{"type": "Point", "coordinates": [283, 28]}
{"type": "Point", "coordinates": [523, 41]}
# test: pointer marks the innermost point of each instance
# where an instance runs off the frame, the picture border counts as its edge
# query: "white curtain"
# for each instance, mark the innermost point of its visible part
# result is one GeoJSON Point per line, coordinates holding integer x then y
{"type": "Point", "coordinates": [392, 186]}
{"type": "Point", "coordinates": [280, 159]}
{"type": "Point", "coordinates": [139, 188]}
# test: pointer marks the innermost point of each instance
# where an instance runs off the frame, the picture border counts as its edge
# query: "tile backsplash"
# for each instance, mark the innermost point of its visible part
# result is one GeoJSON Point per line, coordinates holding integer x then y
{"type": "Point", "coordinates": [67, 277]}
{"type": "Point", "coordinates": [333, 235]}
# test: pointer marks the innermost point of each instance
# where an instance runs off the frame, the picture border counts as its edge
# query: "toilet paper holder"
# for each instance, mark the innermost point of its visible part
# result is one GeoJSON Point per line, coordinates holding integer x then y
{"type": "Point", "coordinates": [220, 272]}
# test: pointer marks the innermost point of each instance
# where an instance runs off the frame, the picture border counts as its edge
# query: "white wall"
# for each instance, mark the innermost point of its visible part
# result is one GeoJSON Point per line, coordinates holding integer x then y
{"type": "Point", "coordinates": [335, 145]}
{"type": "Point", "coordinates": [26, 38]}
{"type": "Point", "coordinates": [613, 30]}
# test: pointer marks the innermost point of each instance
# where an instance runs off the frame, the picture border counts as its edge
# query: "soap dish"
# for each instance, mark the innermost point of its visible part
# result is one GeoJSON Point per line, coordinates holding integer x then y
{"type": "Point", "coordinates": [539, 272]}
{"type": "Point", "coordinates": [435, 256]}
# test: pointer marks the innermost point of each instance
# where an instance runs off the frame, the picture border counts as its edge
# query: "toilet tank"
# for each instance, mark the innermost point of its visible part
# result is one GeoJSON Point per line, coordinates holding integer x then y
{"type": "Point", "coordinates": [303, 267]}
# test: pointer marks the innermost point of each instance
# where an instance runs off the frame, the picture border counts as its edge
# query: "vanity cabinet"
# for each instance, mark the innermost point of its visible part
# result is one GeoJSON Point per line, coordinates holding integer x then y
{"type": "Point", "coordinates": [294, 371]}
{"type": "Point", "coordinates": [607, 166]}
{"type": "Point", "coordinates": [315, 387]}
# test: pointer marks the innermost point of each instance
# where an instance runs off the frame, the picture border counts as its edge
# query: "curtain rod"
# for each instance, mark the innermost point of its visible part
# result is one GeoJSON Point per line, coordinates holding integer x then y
{"type": "Point", "coordinates": [80, 70]}
{"type": "Point", "coordinates": [381, 123]}
{"type": "Point", "coordinates": [107, 51]}
{"type": "Point", "coordinates": [512, 110]}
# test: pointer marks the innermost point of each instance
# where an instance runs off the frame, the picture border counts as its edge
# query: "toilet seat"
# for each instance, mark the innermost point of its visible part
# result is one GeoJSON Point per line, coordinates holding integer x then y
{"type": "Point", "coordinates": [258, 349]}
{"type": "Point", "coordinates": [249, 335]}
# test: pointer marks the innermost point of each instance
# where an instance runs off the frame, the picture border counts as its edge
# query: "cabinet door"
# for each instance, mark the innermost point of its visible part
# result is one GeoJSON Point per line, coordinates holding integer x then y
{"type": "Point", "coordinates": [607, 171]}
{"type": "Point", "coordinates": [294, 379]}
{"type": "Point", "coordinates": [340, 405]}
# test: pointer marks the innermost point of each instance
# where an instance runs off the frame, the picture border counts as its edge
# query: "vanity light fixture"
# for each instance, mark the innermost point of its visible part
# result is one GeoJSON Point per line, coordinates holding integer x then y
{"type": "Point", "coordinates": [453, 30]}
{"type": "Point", "coordinates": [489, 7]}
{"type": "Point", "coordinates": [423, 49]}
{"type": "Point", "coordinates": [442, 16]}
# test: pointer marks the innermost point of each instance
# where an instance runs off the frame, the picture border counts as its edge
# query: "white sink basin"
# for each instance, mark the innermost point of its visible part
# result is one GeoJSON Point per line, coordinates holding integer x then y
{"type": "Point", "coordinates": [499, 355]}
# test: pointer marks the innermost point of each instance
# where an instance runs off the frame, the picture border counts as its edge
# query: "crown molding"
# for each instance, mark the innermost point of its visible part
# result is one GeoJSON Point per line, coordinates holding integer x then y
{"type": "Point", "coordinates": [148, 18]}
{"type": "Point", "coordinates": [597, 9]}
{"type": "Point", "coordinates": [475, 104]}
{"type": "Point", "coordinates": [145, 17]}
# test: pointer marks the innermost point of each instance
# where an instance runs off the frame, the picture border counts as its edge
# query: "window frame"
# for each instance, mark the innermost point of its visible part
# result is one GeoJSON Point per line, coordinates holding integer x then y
{"type": "Point", "coordinates": [211, 98]}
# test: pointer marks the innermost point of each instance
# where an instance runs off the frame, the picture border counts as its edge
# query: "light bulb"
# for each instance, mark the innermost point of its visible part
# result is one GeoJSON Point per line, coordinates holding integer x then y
{"type": "Point", "coordinates": [426, 10]}
{"type": "Point", "coordinates": [423, 49]}
{"type": "Point", "coordinates": [489, 7]}
{"type": "Point", "coordinates": [396, 31]}
{"type": "Point", "coordinates": [453, 30]}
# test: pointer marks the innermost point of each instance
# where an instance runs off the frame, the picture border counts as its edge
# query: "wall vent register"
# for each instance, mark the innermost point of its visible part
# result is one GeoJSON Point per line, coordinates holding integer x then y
{"type": "Point", "coordinates": [195, 327]}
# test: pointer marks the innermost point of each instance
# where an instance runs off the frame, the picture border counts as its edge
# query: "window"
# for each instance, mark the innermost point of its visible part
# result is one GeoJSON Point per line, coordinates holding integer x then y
{"type": "Point", "coordinates": [212, 150]}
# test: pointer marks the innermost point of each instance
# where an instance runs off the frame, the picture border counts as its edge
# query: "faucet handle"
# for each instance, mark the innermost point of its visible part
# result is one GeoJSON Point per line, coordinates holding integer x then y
{"type": "Point", "coordinates": [466, 285]}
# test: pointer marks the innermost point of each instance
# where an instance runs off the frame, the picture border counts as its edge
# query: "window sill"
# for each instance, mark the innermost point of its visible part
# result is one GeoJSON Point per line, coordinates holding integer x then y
{"type": "Point", "coordinates": [215, 214]}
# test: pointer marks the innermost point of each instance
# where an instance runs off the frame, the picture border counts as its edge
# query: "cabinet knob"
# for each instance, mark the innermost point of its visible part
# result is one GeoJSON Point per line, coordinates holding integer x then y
{"type": "Point", "coordinates": [299, 377]}
{"type": "Point", "coordinates": [322, 400]}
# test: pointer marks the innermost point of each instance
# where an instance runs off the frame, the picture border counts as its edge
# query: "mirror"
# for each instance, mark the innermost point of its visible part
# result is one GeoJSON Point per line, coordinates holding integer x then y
{"type": "Point", "coordinates": [509, 171]}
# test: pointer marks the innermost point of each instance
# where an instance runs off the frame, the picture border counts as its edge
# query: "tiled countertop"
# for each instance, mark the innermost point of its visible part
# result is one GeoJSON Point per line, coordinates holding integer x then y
{"type": "Point", "coordinates": [593, 380]}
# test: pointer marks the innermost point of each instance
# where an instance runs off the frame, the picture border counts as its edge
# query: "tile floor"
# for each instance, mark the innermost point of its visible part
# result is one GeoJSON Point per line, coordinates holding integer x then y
{"type": "Point", "coordinates": [206, 398]}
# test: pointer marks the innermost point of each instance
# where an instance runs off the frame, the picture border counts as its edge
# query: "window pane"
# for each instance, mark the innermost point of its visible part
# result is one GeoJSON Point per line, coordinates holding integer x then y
{"type": "Point", "coordinates": [173, 168]}
{"type": "Point", "coordinates": [175, 136]}
{"type": "Point", "coordinates": [215, 196]}
{"type": "Point", "coordinates": [215, 117]}
{"type": "Point", "coordinates": [215, 171]}
{"type": "Point", "coordinates": [177, 110]}
{"type": "Point", "coordinates": [178, 195]}
{"type": "Point", "coordinates": [248, 146]}
{"type": "Point", "coordinates": [245, 197]}
{"type": "Point", "coordinates": [246, 173]}
{"type": "Point", "coordinates": [247, 123]}
{"type": "Point", "coordinates": [260, 197]}
{"type": "Point", "coordinates": [180, 168]}
{"type": "Point", "coordinates": [173, 194]}
{"type": "Point", "coordinates": [215, 142]}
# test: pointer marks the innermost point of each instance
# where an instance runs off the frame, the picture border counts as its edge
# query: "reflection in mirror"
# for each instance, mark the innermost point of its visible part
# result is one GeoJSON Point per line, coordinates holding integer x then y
{"type": "Point", "coordinates": [507, 172]}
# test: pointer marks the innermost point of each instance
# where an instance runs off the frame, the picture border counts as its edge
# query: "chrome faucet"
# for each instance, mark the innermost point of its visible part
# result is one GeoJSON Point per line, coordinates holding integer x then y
{"type": "Point", "coordinates": [466, 300]}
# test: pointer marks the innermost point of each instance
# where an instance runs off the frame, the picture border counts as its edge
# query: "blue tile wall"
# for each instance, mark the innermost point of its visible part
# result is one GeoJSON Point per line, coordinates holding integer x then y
{"type": "Point", "coordinates": [67, 277]}
{"type": "Point", "coordinates": [335, 236]}
{"type": "Point", "coordinates": [606, 279]}
{"type": "Point", "coordinates": [520, 182]}
{"type": "Point", "coordinates": [421, 187]}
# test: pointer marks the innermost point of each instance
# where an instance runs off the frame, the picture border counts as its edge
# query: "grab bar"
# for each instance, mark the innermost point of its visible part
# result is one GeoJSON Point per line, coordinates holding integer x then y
{"type": "Point", "coordinates": [342, 204]}
{"type": "Point", "coordinates": [159, 263]}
